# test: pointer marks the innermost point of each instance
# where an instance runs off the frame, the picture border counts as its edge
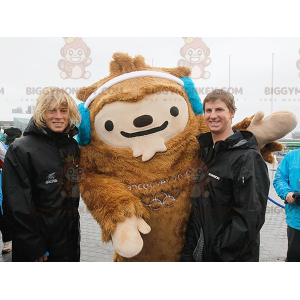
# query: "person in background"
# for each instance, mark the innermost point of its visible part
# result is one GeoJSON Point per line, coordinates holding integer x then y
{"type": "Point", "coordinates": [40, 190]}
{"type": "Point", "coordinates": [228, 215]}
{"type": "Point", "coordinates": [287, 186]}
{"type": "Point", "coordinates": [1, 134]}
{"type": "Point", "coordinates": [11, 134]}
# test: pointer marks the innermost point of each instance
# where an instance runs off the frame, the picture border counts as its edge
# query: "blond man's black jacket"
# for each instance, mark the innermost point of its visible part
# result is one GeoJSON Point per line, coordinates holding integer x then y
{"type": "Point", "coordinates": [38, 197]}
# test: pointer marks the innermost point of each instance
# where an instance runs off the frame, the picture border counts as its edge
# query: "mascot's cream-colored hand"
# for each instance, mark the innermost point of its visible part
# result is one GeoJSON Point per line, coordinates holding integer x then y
{"type": "Point", "coordinates": [126, 239]}
{"type": "Point", "coordinates": [273, 127]}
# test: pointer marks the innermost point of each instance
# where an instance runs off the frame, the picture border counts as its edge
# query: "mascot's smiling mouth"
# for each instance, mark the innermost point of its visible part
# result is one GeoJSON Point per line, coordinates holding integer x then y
{"type": "Point", "coordinates": [145, 132]}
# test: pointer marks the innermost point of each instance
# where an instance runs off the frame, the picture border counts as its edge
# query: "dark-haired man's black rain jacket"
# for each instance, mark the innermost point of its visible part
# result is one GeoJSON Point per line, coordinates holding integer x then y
{"type": "Point", "coordinates": [228, 215]}
{"type": "Point", "coordinates": [40, 197]}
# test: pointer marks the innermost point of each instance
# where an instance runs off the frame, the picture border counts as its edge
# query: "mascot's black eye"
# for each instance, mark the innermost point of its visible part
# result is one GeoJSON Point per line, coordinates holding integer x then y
{"type": "Point", "coordinates": [174, 111]}
{"type": "Point", "coordinates": [190, 52]}
{"type": "Point", "coordinates": [199, 52]}
{"type": "Point", "coordinates": [109, 125]}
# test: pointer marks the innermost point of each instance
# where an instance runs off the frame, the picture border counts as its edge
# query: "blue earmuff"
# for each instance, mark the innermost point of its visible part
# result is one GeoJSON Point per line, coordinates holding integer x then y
{"type": "Point", "coordinates": [193, 95]}
{"type": "Point", "coordinates": [84, 135]}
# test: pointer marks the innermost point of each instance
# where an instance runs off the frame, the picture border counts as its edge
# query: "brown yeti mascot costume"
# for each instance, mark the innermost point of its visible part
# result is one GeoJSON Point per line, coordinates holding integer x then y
{"type": "Point", "coordinates": [140, 155]}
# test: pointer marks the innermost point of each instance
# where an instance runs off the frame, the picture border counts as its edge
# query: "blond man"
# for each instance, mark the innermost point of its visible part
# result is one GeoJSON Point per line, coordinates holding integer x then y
{"type": "Point", "coordinates": [39, 197]}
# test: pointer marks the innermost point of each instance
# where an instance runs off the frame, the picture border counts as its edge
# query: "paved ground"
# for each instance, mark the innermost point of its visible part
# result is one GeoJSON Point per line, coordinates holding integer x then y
{"type": "Point", "coordinates": [273, 234]}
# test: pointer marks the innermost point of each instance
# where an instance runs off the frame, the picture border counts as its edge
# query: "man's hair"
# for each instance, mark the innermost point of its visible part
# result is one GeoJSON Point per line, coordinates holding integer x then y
{"type": "Point", "coordinates": [50, 98]}
{"type": "Point", "coordinates": [222, 95]}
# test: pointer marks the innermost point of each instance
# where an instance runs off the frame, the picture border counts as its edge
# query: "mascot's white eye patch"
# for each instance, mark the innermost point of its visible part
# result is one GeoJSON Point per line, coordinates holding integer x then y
{"type": "Point", "coordinates": [143, 126]}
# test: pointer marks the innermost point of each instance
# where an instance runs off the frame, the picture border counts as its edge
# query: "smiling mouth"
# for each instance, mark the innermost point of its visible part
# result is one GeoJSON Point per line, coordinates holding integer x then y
{"type": "Point", "coordinates": [75, 58]}
{"type": "Point", "coordinates": [145, 132]}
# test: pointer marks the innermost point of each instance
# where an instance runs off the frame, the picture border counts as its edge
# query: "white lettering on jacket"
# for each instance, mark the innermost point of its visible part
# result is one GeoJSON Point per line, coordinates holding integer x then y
{"type": "Point", "coordinates": [214, 176]}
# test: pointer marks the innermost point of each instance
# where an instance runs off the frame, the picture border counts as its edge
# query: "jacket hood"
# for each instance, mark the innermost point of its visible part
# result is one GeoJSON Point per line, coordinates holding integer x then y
{"type": "Point", "coordinates": [33, 129]}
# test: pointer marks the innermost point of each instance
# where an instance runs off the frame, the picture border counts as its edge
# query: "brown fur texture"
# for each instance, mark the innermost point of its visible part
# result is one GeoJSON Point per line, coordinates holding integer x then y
{"type": "Point", "coordinates": [117, 185]}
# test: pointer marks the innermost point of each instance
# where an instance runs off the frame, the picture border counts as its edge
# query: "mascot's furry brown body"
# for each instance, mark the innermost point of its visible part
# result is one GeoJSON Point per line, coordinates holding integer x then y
{"type": "Point", "coordinates": [146, 174]}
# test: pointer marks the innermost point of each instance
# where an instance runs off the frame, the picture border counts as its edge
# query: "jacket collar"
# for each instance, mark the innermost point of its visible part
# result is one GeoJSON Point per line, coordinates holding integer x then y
{"type": "Point", "coordinates": [240, 139]}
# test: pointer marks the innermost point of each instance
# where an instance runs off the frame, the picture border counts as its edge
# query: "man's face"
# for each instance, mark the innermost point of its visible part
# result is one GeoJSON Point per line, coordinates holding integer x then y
{"type": "Point", "coordinates": [57, 118]}
{"type": "Point", "coordinates": [217, 116]}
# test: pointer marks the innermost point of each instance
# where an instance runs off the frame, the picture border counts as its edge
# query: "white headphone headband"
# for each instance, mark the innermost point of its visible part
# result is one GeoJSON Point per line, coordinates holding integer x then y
{"type": "Point", "coordinates": [130, 75]}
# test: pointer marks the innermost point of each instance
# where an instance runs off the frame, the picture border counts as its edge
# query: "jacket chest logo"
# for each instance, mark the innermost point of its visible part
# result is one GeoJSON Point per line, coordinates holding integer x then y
{"type": "Point", "coordinates": [51, 178]}
{"type": "Point", "coordinates": [214, 176]}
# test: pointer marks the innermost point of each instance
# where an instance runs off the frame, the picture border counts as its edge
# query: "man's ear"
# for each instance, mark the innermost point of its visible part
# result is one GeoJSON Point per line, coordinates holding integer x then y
{"type": "Point", "coordinates": [232, 113]}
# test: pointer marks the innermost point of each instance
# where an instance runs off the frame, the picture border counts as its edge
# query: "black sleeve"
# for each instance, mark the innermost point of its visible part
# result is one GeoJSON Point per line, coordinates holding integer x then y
{"type": "Point", "coordinates": [251, 188]}
{"type": "Point", "coordinates": [193, 247]}
{"type": "Point", "coordinates": [189, 246]}
{"type": "Point", "coordinates": [18, 205]}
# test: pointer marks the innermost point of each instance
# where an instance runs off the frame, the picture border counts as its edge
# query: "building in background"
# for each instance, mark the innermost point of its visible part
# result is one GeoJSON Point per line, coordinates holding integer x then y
{"type": "Point", "coordinates": [21, 123]}
{"type": "Point", "coordinates": [296, 135]}
{"type": "Point", "coordinates": [14, 120]}
{"type": "Point", "coordinates": [17, 110]}
{"type": "Point", "coordinates": [6, 124]}
{"type": "Point", "coordinates": [30, 109]}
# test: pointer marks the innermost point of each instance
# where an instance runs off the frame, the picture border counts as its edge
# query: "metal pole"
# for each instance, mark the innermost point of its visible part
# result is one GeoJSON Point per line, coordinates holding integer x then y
{"type": "Point", "coordinates": [272, 90]}
{"type": "Point", "coordinates": [229, 72]}
{"type": "Point", "coordinates": [272, 82]}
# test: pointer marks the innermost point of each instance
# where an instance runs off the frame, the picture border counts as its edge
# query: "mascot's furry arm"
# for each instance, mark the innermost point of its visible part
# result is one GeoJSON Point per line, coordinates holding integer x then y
{"type": "Point", "coordinates": [269, 129]}
{"type": "Point", "coordinates": [130, 215]}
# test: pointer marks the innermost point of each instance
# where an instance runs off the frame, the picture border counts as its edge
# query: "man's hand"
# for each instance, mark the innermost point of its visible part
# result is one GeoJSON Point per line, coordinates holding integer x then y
{"type": "Point", "coordinates": [289, 198]}
{"type": "Point", "coordinates": [42, 258]}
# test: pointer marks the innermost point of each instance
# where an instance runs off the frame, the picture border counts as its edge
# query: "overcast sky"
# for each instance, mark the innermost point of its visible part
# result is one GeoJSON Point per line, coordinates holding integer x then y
{"type": "Point", "coordinates": [31, 63]}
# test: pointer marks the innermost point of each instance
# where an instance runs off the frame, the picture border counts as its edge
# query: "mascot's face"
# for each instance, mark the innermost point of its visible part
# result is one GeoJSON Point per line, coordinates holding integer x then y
{"type": "Point", "coordinates": [144, 126]}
